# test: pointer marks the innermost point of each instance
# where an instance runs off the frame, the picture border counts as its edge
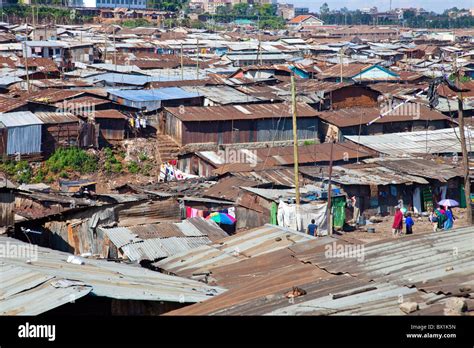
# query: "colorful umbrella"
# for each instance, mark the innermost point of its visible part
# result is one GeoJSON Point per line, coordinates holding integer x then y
{"type": "Point", "coordinates": [221, 218]}
{"type": "Point", "coordinates": [448, 203]}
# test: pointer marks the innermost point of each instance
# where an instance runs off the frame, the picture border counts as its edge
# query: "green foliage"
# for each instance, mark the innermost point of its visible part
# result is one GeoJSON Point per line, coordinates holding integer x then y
{"type": "Point", "coordinates": [146, 170]}
{"type": "Point", "coordinates": [410, 19]}
{"type": "Point", "coordinates": [167, 5]}
{"type": "Point", "coordinates": [45, 13]}
{"type": "Point", "coordinates": [274, 23]}
{"type": "Point", "coordinates": [20, 171]}
{"type": "Point", "coordinates": [196, 24]}
{"type": "Point", "coordinates": [462, 79]}
{"type": "Point", "coordinates": [135, 23]}
{"type": "Point", "coordinates": [133, 167]}
{"type": "Point", "coordinates": [70, 159]}
{"type": "Point", "coordinates": [143, 157]}
{"type": "Point", "coordinates": [309, 142]}
{"type": "Point", "coordinates": [112, 164]}
{"type": "Point", "coordinates": [265, 15]}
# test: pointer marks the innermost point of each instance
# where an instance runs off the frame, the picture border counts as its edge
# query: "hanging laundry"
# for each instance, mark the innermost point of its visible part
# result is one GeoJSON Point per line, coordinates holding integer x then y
{"type": "Point", "coordinates": [188, 212]}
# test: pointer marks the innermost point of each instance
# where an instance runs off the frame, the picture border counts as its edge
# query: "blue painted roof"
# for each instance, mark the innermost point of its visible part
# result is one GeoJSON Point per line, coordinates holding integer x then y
{"type": "Point", "coordinates": [380, 68]}
{"type": "Point", "coordinates": [143, 95]}
{"type": "Point", "coordinates": [126, 79]}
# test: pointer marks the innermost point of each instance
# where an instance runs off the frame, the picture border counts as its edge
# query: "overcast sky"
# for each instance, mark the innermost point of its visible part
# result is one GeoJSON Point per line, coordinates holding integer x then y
{"type": "Point", "coordinates": [430, 5]}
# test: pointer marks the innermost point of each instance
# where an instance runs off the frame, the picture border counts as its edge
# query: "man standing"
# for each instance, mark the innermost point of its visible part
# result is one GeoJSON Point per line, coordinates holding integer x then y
{"type": "Point", "coordinates": [312, 228]}
{"type": "Point", "coordinates": [397, 222]}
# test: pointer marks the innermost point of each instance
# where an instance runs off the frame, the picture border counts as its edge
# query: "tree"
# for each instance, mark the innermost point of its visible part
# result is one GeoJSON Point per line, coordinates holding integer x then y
{"type": "Point", "coordinates": [221, 10]}
{"type": "Point", "coordinates": [240, 9]}
{"type": "Point", "coordinates": [324, 9]}
{"type": "Point", "coordinates": [409, 15]}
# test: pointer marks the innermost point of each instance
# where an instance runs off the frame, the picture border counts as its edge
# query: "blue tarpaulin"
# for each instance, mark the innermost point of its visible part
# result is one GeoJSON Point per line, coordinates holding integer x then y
{"type": "Point", "coordinates": [148, 99]}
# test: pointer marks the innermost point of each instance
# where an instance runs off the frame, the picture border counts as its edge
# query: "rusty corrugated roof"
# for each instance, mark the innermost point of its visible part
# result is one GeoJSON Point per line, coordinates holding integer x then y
{"type": "Point", "coordinates": [57, 117]}
{"type": "Point", "coordinates": [361, 116]}
{"type": "Point", "coordinates": [239, 112]}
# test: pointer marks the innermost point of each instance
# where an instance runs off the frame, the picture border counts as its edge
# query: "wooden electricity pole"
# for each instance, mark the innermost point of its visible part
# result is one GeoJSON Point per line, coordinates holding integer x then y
{"type": "Point", "coordinates": [25, 57]}
{"type": "Point", "coordinates": [295, 142]}
{"type": "Point", "coordinates": [182, 68]}
{"type": "Point", "coordinates": [197, 60]}
{"type": "Point", "coordinates": [329, 221]}
{"type": "Point", "coordinates": [465, 154]}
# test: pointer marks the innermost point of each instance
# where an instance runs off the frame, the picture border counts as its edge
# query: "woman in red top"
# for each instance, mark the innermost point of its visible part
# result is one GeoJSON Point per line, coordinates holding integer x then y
{"type": "Point", "coordinates": [397, 226]}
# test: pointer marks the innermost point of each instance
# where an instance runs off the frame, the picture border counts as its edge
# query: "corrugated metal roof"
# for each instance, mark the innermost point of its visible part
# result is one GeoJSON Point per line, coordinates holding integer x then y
{"type": "Point", "coordinates": [425, 268]}
{"type": "Point", "coordinates": [411, 143]}
{"type": "Point", "coordinates": [222, 94]}
{"type": "Point", "coordinates": [108, 279]}
{"type": "Point", "coordinates": [141, 95]}
{"type": "Point", "coordinates": [56, 117]}
{"type": "Point", "coordinates": [240, 112]}
{"type": "Point", "coordinates": [19, 119]}
{"type": "Point", "coordinates": [158, 248]}
{"type": "Point", "coordinates": [364, 175]}
{"type": "Point", "coordinates": [360, 116]}
{"type": "Point", "coordinates": [156, 241]}
{"type": "Point", "coordinates": [258, 241]}
{"type": "Point", "coordinates": [120, 236]}
{"type": "Point", "coordinates": [34, 298]}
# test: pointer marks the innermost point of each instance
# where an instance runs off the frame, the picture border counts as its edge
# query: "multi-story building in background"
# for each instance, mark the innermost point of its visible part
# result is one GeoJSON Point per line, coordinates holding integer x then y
{"type": "Point", "coordinates": [301, 11]}
{"type": "Point", "coordinates": [287, 11]}
{"type": "Point", "coordinates": [133, 4]}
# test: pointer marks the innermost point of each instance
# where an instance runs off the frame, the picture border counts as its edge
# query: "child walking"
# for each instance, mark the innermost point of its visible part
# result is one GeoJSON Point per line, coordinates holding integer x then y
{"type": "Point", "coordinates": [409, 224]}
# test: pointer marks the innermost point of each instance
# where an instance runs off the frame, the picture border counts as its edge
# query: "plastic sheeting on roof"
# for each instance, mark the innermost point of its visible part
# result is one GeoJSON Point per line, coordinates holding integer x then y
{"type": "Point", "coordinates": [149, 99]}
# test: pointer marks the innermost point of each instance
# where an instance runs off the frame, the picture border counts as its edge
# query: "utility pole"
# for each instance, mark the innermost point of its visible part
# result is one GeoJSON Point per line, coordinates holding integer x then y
{"type": "Point", "coordinates": [33, 19]}
{"type": "Point", "coordinates": [465, 154]}
{"type": "Point", "coordinates": [341, 63]}
{"type": "Point", "coordinates": [105, 47]}
{"type": "Point", "coordinates": [115, 49]}
{"type": "Point", "coordinates": [182, 68]}
{"type": "Point", "coordinates": [197, 60]}
{"type": "Point", "coordinates": [295, 142]}
{"type": "Point", "coordinates": [329, 221]}
{"type": "Point", "coordinates": [26, 67]}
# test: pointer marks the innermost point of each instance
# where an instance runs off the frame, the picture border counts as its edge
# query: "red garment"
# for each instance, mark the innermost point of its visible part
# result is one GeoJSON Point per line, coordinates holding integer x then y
{"type": "Point", "coordinates": [398, 220]}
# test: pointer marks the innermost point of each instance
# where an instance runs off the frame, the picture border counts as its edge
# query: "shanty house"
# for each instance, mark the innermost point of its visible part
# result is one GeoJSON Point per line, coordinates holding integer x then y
{"type": "Point", "coordinates": [355, 121]}
{"type": "Point", "coordinates": [358, 73]}
{"type": "Point", "coordinates": [380, 185]}
{"type": "Point", "coordinates": [153, 99]}
{"type": "Point", "coordinates": [58, 130]}
{"type": "Point", "coordinates": [238, 123]}
{"type": "Point", "coordinates": [20, 133]}
{"type": "Point", "coordinates": [112, 124]}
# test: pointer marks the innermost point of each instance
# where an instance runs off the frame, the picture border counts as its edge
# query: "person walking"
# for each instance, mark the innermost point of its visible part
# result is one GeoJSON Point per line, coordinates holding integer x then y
{"type": "Point", "coordinates": [409, 224]}
{"type": "Point", "coordinates": [441, 215]}
{"type": "Point", "coordinates": [434, 221]}
{"type": "Point", "coordinates": [448, 224]}
{"type": "Point", "coordinates": [397, 226]}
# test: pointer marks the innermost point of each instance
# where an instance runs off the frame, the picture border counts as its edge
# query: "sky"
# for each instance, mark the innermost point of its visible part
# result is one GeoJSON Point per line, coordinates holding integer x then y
{"type": "Point", "coordinates": [382, 5]}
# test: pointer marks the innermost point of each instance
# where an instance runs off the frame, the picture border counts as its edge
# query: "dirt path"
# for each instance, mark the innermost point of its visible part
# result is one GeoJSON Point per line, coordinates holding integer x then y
{"type": "Point", "coordinates": [383, 230]}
